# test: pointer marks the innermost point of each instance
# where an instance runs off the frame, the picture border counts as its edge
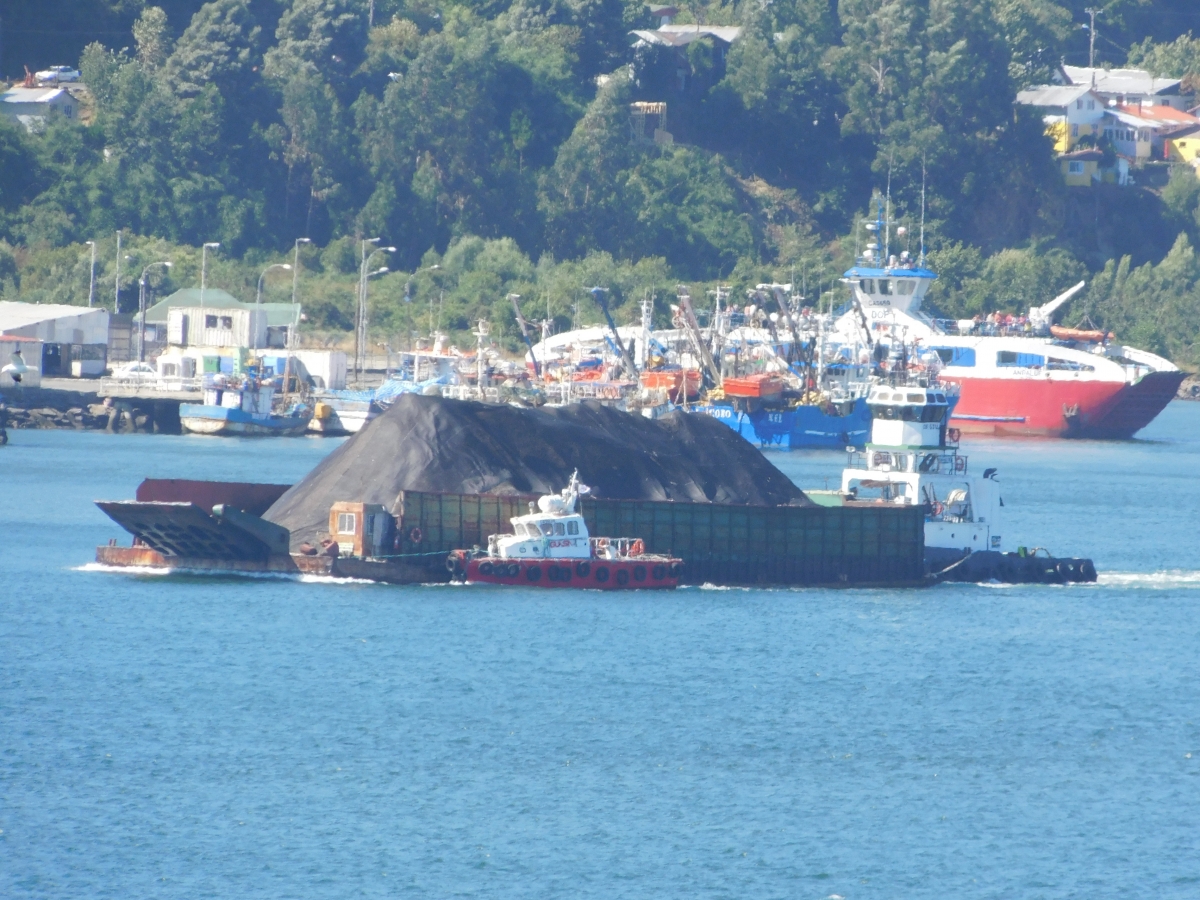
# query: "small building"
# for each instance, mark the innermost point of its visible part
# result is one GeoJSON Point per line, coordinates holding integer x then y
{"type": "Point", "coordinates": [1070, 112]}
{"type": "Point", "coordinates": [1140, 131]}
{"type": "Point", "coordinates": [73, 340]}
{"type": "Point", "coordinates": [1184, 145]}
{"type": "Point", "coordinates": [677, 38]}
{"type": "Point", "coordinates": [280, 317]}
{"type": "Point", "coordinates": [32, 106]}
{"type": "Point", "coordinates": [218, 328]}
{"type": "Point", "coordinates": [1124, 87]}
{"type": "Point", "coordinates": [1081, 168]}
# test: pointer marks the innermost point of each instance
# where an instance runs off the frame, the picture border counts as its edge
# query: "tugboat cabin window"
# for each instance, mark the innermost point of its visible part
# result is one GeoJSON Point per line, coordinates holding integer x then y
{"type": "Point", "coordinates": [1020, 360]}
{"type": "Point", "coordinates": [867, 285]}
{"type": "Point", "coordinates": [548, 529]}
{"type": "Point", "coordinates": [559, 529]}
{"type": "Point", "coordinates": [885, 286]}
{"type": "Point", "coordinates": [572, 527]}
{"type": "Point", "coordinates": [905, 286]}
{"type": "Point", "coordinates": [346, 523]}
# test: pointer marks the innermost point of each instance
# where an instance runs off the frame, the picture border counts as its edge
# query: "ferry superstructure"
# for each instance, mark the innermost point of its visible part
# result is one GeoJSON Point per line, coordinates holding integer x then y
{"type": "Point", "coordinates": [1014, 380]}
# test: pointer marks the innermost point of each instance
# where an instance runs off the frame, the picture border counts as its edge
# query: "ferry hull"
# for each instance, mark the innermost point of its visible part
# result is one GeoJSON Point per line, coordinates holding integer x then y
{"type": "Point", "coordinates": [1060, 408]}
{"type": "Point", "coordinates": [801, 428]}
{"type": "Point", "coordinates": [592, 574]}
{"type": "Point", "coordinates": [219, 420]}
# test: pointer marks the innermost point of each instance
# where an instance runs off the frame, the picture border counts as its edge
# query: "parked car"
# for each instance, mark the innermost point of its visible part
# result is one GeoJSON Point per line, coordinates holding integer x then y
{"type": "Point", "coordinates": [136, 373]}
{"type": "Point", "coordinates": [57, 75]}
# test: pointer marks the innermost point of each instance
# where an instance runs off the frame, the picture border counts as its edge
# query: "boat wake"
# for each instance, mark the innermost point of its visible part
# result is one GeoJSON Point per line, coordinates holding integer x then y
{"type": "Point", "coordinates": [1173, 578]}
{"type": "Point", "coordinates": [161, 571]}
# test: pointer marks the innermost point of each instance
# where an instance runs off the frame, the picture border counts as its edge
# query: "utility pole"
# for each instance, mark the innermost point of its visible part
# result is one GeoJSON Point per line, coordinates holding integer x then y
{"type": "Point", "coordinates": [1092, 44]}
{"type": "Point", "coordinates": [92, 280]}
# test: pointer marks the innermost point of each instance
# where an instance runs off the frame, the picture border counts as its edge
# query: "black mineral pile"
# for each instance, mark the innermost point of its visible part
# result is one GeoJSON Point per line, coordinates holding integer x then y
{"type": "Point", "coordinates": [452, 446]}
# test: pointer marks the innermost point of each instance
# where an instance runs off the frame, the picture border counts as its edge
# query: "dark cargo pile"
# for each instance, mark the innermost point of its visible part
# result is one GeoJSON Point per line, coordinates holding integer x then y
{"type": "Point", "coordinates": [431, 444]}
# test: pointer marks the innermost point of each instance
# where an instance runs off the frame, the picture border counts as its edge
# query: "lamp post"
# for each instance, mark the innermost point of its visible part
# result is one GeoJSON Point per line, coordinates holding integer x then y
{"type": "Point", "coordinates": [117, 290]}
{"type": "Point", "coordinates": [204, 280]}
{"type": "Point", "coordinates": [142, 308]}
{"type": "Point", "coordinates": [258, 296]}
{"type": "Point", "coordinates": [296, 266]}
{"type": "Point", "coordinates": [408, 284]}
{"type": "Point", "coordinates": [92, 280]}
{"type": "Point", "coordinates": [360, 329]}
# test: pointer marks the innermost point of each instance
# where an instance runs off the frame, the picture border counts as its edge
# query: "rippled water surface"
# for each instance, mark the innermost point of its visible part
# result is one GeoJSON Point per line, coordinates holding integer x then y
{"type": "Point", "coordinates": [198, 737]}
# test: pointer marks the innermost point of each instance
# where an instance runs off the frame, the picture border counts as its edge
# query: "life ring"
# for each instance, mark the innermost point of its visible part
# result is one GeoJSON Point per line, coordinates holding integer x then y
{"type": "Point", "coordinates": [416, 535]}
{"type": "Point", "coordinates": [637, 548]}
{"type": "Point", "coordinates": [881, 458]}
{"type": "Point", "coordinates": [583, 569]}
{"type": "Point", "coordinates": [938, 508]}
{"type": "Point", "coordinates": [960, 464]}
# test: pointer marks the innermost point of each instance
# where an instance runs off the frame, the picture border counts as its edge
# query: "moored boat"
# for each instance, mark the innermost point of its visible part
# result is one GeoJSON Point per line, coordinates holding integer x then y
{"type": "Point", "coordinates": [243, 406]}
{"type": "Point", "coordinates": [551, 547]}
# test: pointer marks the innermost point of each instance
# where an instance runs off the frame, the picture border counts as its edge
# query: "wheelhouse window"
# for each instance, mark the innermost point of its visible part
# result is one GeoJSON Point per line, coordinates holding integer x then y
{"type": "Point", "coordinates": [1067, 365]}
{"type": "Point", "coordinates": [559, 529]}
{"type": "Point", "coordinates": [885, 285]}
{"type": "Point", "coordinates": [346, 523]}
{"type": "Point", "coordinates": [548, 529]}
{"type": "Point", "coordinates": [867, 285]}
{"type": "Point", "coordinates": [572, 527]}
{"type": "Point", "coordinates": [905, 286]}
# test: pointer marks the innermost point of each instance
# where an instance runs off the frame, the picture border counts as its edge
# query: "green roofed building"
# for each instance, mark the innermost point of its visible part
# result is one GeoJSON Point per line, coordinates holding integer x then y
{"type": "Point", "coordinates": [280, 316]}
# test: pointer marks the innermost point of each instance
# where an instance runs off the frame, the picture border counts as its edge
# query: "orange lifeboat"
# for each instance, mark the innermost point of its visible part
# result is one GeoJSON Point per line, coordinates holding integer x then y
{"type": "Point", "coordinates": [672, 381]}
{"type": "Point", "coordinates": [1075, 334]}
{"type": "Point", "coordinates": [761, 386]}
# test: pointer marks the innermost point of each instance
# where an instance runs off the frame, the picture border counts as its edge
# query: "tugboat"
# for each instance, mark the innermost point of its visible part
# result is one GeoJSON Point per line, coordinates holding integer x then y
{"type": "Point", "coordinates": [913, 459]}
{"type": "Point", "coordinates": [551, 547]}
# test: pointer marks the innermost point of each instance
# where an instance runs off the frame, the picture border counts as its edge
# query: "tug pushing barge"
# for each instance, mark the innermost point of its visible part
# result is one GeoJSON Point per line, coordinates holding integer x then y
{"type": "Point", "coordinates": [378, 508]}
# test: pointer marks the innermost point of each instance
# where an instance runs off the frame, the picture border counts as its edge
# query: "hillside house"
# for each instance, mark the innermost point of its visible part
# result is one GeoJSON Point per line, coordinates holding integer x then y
{"type": "Point", "coordinates": [1140, 131]}
{"type": "Point", "coordinates": [1125, 87]}
{"type": "Point", "coordinates": [31, 107]}
{"type": "Point", "coordinates": [682, 62]}
{"type": "Point", "coordinates": [1184, 146]}
{"type": "Point", "coordinates": [1070, 112]}
{"type": "Point", "coordinates": [1081, 168]}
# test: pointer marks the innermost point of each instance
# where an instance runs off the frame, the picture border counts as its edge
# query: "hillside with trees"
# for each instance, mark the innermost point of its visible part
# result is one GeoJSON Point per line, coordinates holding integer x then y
{"type": "Point", "coordinates": [491, 143]}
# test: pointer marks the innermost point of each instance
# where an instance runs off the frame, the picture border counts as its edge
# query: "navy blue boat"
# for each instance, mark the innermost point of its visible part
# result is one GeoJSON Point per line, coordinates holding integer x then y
{"type": "Point", "coordinates": [800, 427]}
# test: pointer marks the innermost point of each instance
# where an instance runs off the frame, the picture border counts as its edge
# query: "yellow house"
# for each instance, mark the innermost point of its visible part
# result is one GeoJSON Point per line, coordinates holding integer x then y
{"type": "Point", "coordinates": [1184, 146]}
{"type": "Point", "coordinates": [1081, 168]}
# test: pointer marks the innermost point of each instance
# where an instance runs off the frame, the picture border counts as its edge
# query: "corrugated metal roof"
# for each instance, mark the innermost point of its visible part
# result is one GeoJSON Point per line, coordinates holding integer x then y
{"type": "Point", "coordinates": [14, 314]}
{"type": "Point", "coordinates": [32, 95]}
{"type": "Point", "coordinates": [1119, 81]}
{"type": "Point", "coordinates": [1052, 95]}
{"type": "Point", "coordinates": [278, 314]}
{"type": "Point", "coordinates": [682, 35]}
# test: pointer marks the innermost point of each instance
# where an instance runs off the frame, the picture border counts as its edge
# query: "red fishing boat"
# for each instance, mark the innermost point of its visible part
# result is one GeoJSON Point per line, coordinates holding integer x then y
{"type": "Point", "coordinates": [551, 547]}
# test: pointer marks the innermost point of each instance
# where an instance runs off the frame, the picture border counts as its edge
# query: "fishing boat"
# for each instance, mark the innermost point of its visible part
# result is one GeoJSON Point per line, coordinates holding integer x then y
{"type": "Point", "coordinates": [242, 406]}
{"type": "Point", "coordinates": [551, 547]}
{"type": "Point", "coordinates": [913, 459]}
{"type": "Point", "coordinates": [1018, 375]}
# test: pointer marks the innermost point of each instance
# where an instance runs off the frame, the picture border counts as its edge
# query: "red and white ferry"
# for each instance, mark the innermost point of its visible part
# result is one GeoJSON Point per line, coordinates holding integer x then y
{"type": "Point", "coordinates": [1028, 377]}
{"type": "Point", "coordinates": [551, 547]}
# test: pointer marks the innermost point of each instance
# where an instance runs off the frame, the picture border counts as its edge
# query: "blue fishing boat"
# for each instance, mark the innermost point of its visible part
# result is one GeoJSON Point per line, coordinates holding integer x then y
{"type": "Point", "coordinates": [833, 426]}
{"type": "Point", "coordinates": [242, 407]}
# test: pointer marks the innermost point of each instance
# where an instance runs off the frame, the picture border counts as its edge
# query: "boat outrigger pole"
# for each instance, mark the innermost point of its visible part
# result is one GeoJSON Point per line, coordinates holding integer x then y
{"type": "Point", "coordinates": [693, 330]}
{"type": "Point", "coordinates": [626, 357]}
{"type": "Point", "coordinates": [537, 370]}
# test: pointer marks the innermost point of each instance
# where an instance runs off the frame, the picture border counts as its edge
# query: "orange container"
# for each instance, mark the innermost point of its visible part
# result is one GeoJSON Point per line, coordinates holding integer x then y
{"type": "Point", "coordinates": [762, 385]}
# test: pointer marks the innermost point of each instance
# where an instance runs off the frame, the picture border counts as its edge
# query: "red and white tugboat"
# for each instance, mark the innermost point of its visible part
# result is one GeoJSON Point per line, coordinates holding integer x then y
{"type": "Point", "coordinates": [552, 548]}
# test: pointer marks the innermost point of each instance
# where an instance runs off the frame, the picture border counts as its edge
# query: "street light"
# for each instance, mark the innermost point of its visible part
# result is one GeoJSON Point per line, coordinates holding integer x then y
{"type": "Point", "coordinates": [360, 330]}
{"type": "Point", "coordinates": [296, 266]}
{"type": "Point", "coordinates": [408, 284]}
{"type": "Point", "coordinates": [258, 297]}
{"type": "Point", "coordinates": [204, 280]}
{"type": "Point", "coordinates": [92, 282]}
{"type": "Point", "coordinates": [142, 307]}
{"type": "Point", "coordinates": [117, 293]}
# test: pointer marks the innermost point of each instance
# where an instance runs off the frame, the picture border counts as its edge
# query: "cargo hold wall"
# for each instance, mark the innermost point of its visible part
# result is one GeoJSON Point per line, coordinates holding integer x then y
{"type": "Point", "coordinates": [866, 544]}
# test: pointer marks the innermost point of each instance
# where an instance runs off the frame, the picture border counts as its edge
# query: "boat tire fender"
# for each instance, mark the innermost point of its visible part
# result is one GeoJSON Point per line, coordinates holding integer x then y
{"type": "Point", "coordinates": [659, 573]}
{"type": "Point", "coordinates": [622, 577]}
{"type": "Point", "coordinates": [602, 574]}
{"type": "Point", "coordinates": [485, 568]}
{"type": "Point", "coordinates": [1087, 570]}
{"type": "Point", "coordinates": [514, 570]}
{"type": "Point", "coordinates": [583, 569]}
{"type": "Point", "coordinates": [533, 573]}
{"type": "Point", "coordinates": [639, 573]}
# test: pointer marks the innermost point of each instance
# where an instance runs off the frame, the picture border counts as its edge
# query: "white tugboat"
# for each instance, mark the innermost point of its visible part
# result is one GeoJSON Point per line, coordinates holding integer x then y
{"type": "Point", "coordinates": [551, 547]}
{"type": "Point", "coordinates": [913, 459]}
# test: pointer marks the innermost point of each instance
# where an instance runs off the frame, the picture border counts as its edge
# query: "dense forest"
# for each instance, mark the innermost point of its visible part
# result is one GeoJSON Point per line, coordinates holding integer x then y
{"type": "Point", "coordinates": [490, 142]}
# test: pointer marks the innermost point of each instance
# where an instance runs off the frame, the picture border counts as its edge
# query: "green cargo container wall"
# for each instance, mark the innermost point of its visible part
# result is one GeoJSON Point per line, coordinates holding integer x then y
{"type": "Point", "coordinates": [725, 545]}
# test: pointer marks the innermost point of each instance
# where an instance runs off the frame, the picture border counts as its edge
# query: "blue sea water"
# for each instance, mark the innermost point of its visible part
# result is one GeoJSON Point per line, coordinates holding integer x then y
{"type": "Point", "coordinates": [198, 737]}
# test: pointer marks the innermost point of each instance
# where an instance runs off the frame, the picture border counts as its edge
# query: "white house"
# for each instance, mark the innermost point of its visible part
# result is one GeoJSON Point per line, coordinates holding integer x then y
{"type": "Point", "coordinates": [32, 106]}
{"type": "Point", "coordinates": [73, 339]}
{"type": "Point", "coordinates": [1126, 86]}
{"type": "Point", "coordinates": [1071, 112]}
